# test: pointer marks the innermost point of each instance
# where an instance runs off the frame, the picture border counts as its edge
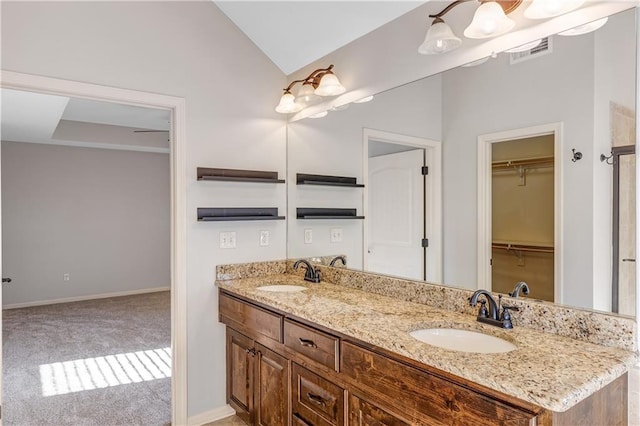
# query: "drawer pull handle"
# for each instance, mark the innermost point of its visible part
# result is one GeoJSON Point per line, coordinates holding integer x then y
{"type": "Point", "coordinates": [307, 343]}
{"type": "Point", "coordinates": [316, 399]}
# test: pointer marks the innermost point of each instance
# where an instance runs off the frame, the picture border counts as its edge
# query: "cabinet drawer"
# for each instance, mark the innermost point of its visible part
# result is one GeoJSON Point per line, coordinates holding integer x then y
{"type": "Point", "coordinates": [238, 314]}
{"type": "Point", "coordinates": [315, 344]}
{"type": "Point", "coordinates": [315, 400]}
{"type": "Point", "coordinates": [363, 413]}
{"type": "Point", "coordinates": [431, 398]}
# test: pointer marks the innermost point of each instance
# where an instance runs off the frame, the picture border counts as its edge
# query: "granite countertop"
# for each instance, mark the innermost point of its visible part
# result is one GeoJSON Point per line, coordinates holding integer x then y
{"type": "Point", "coordinates": [548, 370]}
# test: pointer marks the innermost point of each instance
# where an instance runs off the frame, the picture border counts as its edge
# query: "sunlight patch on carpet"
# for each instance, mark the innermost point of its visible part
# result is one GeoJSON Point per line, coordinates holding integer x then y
{"type": "Point", "coordinates": [79, 375]}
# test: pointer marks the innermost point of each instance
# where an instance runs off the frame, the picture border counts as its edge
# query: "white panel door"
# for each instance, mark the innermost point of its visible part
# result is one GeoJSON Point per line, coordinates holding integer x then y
{"type": "Point", "coordinates": [395, 222]}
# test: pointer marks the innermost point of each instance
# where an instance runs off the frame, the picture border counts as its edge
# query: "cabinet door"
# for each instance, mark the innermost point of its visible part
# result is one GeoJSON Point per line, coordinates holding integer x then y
{"type": "Point", "coordinates": [240, 371]}
{"type": "Point", "coordinates": [271, 388]}
{"type": "Point", "coordinates": [363, 413]}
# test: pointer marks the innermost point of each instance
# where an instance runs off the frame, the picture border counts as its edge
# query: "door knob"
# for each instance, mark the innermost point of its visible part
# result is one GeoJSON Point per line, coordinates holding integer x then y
{"type": "Point", "coordinates": [6, 280]}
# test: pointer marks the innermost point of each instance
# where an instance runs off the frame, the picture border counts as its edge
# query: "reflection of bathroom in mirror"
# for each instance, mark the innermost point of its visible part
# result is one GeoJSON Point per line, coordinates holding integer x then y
{"type": "Point", "coordinates": [581, 86]}
{"type": "Point", "coordinates": [522, 215]}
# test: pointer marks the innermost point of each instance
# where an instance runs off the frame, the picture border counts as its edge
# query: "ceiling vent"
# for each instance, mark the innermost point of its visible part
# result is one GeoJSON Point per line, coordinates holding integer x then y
{"type": "Point", "coordinates": [544, 48]}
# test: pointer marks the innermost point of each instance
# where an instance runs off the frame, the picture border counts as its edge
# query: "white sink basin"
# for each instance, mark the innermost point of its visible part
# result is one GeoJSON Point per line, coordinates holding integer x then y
{"type": "Point", "coordinates": [282, 288]}
{"type": "Point", "coordinates": [463, 340]}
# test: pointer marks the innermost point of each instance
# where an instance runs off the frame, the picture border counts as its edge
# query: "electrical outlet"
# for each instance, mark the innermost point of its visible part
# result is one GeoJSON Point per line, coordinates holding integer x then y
{"type": "Point", "coordinates": [228, 240]}
{"type": "Point", "coordinates": [336, 235]}
{"type": "Point", "coordinates": [65, 277]}
{"type": "Point", "coordinates": [308, 236]}
{"type": "Point", "coordinates": [264, 238]}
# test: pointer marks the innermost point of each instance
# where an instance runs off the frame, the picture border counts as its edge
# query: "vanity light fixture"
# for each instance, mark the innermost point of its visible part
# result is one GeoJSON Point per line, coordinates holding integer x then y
{"type": "Point", "coordinates": [543, 9]}
{"type": "Point", "coordinates": [364, 100]}
{"type": "Point", "coordinates": [321, 82]}
{"type": "Point", "coordinates": [320, 114]}
{"type": "Point", "coordinates": [586, 28]}
{"type": "Point", "coordinates": [490, 20]}
{"type": "Point", "coordinates": [524, 47]}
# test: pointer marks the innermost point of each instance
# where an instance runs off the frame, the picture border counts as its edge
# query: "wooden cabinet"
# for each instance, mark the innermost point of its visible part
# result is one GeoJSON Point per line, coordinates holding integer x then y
{"type": "Point", "coordinates": [316, 400]}
{"type": "Point", "coordinates": [240, 374]}
{"type": "Point", "coordinates": [284, 371]}
{"type": "Point", "coordinates": [428, 397]}
{"type": "Point", "coordinates": [364, 413]}
{"type": "Point", "coordinates": [320, 347]}
{"type": "Point", "coordinates": [257, 381]}
{"type": "Point", "coordinates": [271, 394]}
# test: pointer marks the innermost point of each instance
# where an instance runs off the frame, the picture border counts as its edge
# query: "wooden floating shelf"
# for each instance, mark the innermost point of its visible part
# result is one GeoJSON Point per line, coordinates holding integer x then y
{"type": "Point", "coordinates": [227, 214]}
{"type": "Point", "coordinates": [236, 175]}
{"type": "Point", "coordinates": [324, 180]}
{"type": "Point", "coordinates": [326, 213]}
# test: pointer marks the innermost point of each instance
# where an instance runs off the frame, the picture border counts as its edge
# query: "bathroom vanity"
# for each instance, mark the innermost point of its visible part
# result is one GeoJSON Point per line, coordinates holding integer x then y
{"type": "Point", "coordinates": [337, 355]}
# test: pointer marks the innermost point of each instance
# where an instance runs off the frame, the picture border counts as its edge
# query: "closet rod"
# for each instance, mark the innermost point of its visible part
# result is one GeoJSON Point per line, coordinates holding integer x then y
{"type": "Point", "coordinates": [522, 247]}
{"type": "Point", "coordinates": [541, 161]}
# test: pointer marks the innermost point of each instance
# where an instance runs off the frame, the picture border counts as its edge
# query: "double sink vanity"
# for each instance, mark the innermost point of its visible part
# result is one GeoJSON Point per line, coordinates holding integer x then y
{"type": "Point", "coordinates": [365, 349]}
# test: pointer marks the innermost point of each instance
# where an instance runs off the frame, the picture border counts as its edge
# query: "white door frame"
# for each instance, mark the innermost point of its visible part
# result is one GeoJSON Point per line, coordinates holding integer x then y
{"type": "Point", "coordinates": [34, 83]}
{"type": "Point", "coordinates": [432, 195]}
{"type": "Point", "coordinates": [484, 199]}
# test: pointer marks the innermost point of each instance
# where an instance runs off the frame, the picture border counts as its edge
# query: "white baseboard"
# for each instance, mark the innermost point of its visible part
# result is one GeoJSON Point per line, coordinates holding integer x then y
{"type": "Point", "coordinates": [211, 416]}
{"type": "Point", "coordinates": [88, 297]}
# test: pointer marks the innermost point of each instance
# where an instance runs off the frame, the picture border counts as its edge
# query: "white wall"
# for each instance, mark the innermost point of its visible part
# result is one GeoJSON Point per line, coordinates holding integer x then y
{"type": "Point", "coordinates": [333, 146]}
{"type": "Point", "coordinates": [191, 50]}
{"type": "Point", "coordinates": [102, 216]}
{"type": "Point", "coordinates": [614, 81]}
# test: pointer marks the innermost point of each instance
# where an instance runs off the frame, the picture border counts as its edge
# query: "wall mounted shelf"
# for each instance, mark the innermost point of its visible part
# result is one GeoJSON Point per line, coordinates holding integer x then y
{"type": "Point", "coordinates": [236, 175]}
{"type": "Point", "coordinates": [326, 213]}
{"type": "Point", "coordinates": [325, 180]}
{"type": "Point", "coordinates": [227, 214]}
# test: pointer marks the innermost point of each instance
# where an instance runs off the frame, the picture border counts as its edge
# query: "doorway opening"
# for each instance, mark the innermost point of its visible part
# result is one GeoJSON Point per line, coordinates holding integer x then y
{"type": "Point", "coordinates": [624, 230]}
{"type": "Point", "coordinates": [519, 211]}
{"type": "Point", "coordinates": [522, 215]}
{"type": "Point", "coordinates": [175, 107]}
{"type": "Point", "coordinates": [402, 205]}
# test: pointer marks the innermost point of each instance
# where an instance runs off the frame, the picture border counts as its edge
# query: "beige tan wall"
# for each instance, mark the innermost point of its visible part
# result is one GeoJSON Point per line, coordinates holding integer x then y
{"type": "Point", "coordinates": [523, 213]}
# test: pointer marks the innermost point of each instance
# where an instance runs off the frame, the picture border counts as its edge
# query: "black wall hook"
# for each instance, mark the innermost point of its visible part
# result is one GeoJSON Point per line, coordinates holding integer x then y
{"type": "Point", "coordinates": [607, 159]}
{"type": "Point", "coordinates": [577, 155]}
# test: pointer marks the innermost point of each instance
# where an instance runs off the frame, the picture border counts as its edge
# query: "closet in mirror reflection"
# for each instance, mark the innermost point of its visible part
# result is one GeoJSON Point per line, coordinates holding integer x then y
{"type": "Point", "coordinates": [522, 215]}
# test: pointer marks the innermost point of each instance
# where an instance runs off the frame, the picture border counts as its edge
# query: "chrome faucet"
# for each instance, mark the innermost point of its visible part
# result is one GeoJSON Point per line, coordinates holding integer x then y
{"type": "Point", "coordinates": [520, 286]}
{"type": "Point", "coordinates": [340, 258]}
{"type": "Point", "coordinates": [311, 274]}
{"type": "Point", "coordinates": [497, 314]}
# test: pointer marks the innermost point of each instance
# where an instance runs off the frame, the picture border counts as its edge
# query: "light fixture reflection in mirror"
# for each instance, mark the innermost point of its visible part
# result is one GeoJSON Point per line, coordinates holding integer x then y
{"type": "Point", "coordinates": [364, 100]}
{"type": "Point", "coordinates": [586, 28]}
{"type": "Point", "coordinates": [319, 115]}
{"type": "Point", "coordinates": [489, 20]}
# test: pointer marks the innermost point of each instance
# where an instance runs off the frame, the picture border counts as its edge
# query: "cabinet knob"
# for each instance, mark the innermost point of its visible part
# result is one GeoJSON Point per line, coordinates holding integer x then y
{"type": "Point", "coordinates": [6, 280]}
{"type": "Point", "coordinates": [251, 351]}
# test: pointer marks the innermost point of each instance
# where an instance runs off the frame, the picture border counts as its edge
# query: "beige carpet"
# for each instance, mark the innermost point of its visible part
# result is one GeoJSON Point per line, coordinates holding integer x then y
{"type": "Point", "coordinates": [102, 362]}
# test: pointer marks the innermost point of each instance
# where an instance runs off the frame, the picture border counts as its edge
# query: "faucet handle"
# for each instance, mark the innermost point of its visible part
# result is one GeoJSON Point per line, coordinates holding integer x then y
{"type": "Point", "coordinates": [483, 312]}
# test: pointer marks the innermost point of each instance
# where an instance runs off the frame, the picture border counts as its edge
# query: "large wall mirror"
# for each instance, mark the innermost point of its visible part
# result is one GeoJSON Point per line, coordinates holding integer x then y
{"type": "Point", "coordinates": [486, 175]}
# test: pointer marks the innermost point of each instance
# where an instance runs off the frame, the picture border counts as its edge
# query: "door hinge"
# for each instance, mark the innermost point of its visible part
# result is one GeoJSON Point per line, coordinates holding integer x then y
{"type": "Point", "coordinates": [425, 242]}
{"type": "Point", "coordinates": [425, 170]}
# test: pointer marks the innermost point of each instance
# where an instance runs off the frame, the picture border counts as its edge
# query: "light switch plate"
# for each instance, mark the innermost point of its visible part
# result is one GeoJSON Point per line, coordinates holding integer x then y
{"type": "Point", "coordinates": [264, 238]}
{"type": "Point", "coordinates": [308, 236]}
{"type": "Point", "coordinates": [228, 240]}
{"type": "Point", "coordinates": [336, 235]}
